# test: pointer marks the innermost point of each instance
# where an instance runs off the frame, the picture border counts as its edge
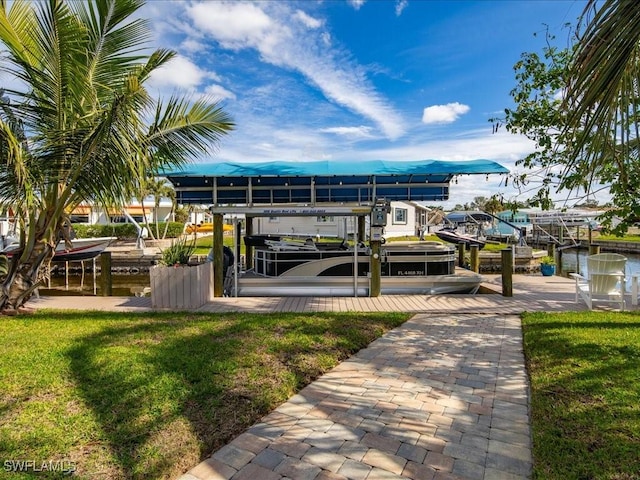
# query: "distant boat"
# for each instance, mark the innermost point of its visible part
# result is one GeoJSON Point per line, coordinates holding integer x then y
{"type": "Point", "coordinates": [206, 228]}
{"type": "Point", "coordinates": [81, 249]}
{"type": "Point", "coordinates": [451, 236]}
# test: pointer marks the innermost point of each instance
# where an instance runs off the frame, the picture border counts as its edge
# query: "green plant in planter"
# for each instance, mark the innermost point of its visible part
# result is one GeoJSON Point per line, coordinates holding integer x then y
{"type": "Point", "coordinates": [179, 252]}
{"type": "Point", "coordinates": [547, 266]}
{"type": "Point", "coordinates": [548, 260]}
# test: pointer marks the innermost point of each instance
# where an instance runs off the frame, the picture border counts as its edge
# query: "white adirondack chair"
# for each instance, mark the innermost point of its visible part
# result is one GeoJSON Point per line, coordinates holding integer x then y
{"type": "Point", "coordinates": [605, 280]}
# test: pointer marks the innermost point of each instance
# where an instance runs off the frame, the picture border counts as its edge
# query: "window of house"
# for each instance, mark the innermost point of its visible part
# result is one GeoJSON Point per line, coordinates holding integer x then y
{"type": "Point", "coordinates": [400, 215]}
{"type": "Point", "coordinates": [324, 219]}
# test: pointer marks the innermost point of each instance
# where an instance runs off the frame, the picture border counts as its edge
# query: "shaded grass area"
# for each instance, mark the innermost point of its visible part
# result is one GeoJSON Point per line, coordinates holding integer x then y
{"type": "Point", "coordinates": [585, 385]}
{"type": "Point", "coordinates": [149, 395]}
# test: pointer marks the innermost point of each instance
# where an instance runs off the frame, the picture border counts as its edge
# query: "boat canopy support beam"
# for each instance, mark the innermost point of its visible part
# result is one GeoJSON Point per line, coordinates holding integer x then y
{"type": "Point", "coordinates": [218, 256]}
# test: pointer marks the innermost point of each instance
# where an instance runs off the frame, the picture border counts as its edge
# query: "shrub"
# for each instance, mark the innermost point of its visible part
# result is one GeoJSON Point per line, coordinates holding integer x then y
{"type": "Point", "coordinates": [174, 230]}
{"type": "Point", "coordinates": [124, 231]}
{"type": "Point", "coordinates": [547, 260]}
{"type": "Point", "coordinates": [179, 252]}
{"type": "Point", "coordinates": [120, 230]}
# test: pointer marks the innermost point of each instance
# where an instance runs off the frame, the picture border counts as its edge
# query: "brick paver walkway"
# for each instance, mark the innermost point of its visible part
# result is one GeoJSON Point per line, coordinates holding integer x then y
{"type": "Point", "coordinates": [441, 397]}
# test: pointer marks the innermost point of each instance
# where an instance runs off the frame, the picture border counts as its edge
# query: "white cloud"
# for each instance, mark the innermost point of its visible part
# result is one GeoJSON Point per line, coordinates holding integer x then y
{"type": "Point", "coordinates": [180, 72]}
{"type": "Point", "coordinates": [356, 4]}
{"type": "Point", "coordinates": [307, 20]}
{"type": "Point", "coordinates": [237, 25]}
{"type": "Point", "coordinates": [192, 45]}
{"type": "Point", "coordinates": [444, 113]}
{"type": "Point", "coordinates": [400, 6]}
{"type": "Point", "coordinates": [354, 132]}
{"type": "Point", "coordinates": [502, 147]}
{"type": "Point", "coordinates": [294, 46]}
{"type": "Point", "coordinates": [219, 92]}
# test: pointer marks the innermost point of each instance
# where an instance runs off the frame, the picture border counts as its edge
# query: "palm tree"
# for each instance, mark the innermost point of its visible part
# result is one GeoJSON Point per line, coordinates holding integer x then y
{"type": "Point", "coordinates": [493, 205]}
{"type": "Point", "coordinates": [605, 63]}
{"type": "Point", "coordinates": [603, 100]}
{"type": "Point", "coordinates": [77, 130]}
{"type": "Point", "coordinates": [158, 187]}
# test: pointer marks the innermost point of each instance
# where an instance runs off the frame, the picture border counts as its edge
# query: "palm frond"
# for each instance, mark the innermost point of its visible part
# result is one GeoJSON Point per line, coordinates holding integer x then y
{"type": "Point", "coordinates": [183, 130]}
{"type": "Point", "coordinates": [604, 72]}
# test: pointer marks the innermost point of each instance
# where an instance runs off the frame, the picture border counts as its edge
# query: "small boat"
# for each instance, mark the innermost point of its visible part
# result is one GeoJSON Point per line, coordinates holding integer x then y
{"type": "Point", "coordinates": [81, 249]}
{"type": "Point", "coordinates": [206, 228]}
{"type": "Point", "coordinates": [294, 268]}
{"type": "Point", "coordinates": [452, 236]}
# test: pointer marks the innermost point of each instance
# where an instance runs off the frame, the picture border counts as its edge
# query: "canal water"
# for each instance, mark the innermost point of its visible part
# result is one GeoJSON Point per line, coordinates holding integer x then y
{"type": "Point", "coordinates": [123, 285]}
{"type": "Point", "coordinates": [573, 260]}
{"type": "Point", "coordinates": [576, 261]}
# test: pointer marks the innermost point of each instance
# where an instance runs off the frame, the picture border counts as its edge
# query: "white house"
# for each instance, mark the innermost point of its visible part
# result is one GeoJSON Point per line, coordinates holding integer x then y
{"type": "Point", "coordinates": [135, 211]}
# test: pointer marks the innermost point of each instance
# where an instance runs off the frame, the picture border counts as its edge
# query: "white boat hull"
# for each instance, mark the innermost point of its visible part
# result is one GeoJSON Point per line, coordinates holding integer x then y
{"type": "Point", "coordinates": [406, 268]}
{"type": "Point", "coordinates": [82, 249]}
{"type": "Point", "coordinates": [253, 286]}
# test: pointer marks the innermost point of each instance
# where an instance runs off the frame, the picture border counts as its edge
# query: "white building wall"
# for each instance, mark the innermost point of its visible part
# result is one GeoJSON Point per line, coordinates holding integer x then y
{"type": "Point", "coordinates": [98, 216]}
{"type": "Point", "coordinates": [401, 220]}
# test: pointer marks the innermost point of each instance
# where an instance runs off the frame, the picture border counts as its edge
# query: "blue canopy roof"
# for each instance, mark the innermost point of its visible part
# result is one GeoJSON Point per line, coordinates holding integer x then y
{"type": "Point", "coordinates": [361, 182]}
{"type": "Point", "coordinates": [361, 167]}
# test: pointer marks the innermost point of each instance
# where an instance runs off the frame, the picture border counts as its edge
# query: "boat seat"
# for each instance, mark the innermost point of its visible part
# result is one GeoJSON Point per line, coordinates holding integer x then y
{"type": "Point", "coordinates": [605, 280]}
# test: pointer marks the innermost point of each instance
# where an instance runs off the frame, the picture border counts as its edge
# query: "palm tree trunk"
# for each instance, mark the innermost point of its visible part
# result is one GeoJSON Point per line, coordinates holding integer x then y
{"type": "Point", "coordinates": [24, 278]}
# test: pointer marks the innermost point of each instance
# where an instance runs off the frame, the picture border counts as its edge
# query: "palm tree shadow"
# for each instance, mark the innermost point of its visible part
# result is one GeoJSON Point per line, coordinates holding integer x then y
{"type": "Point", "coordinates": [187, 390]}
{"type": "Point", "coordinates": [141, 402]}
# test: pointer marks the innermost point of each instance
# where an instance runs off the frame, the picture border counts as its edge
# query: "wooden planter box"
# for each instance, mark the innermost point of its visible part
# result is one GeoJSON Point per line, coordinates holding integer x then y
{"type": "Point", "coordinates": [181, 287]}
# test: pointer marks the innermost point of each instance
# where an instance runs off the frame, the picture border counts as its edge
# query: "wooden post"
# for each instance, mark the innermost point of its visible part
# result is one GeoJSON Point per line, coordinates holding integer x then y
{"type": "Point", "coordinates": [507, 272]}
{"type": "Point", "coordinates": [106, 283]}
{"type": "Point", "coordinates": [376, 269]}
{"type": "Point", "coordinates": [551, 249]}
{"type": "Point", "coordinates": [475, 258]}
{"type": "Point", "coordinates": [559, 263]}
{"type": "Point", "coordinates": [461, 252]}
{"type": "Point", "coordinates": [362, 228]}
{"type": "Point", "coordinates": [594, 249]}
{"type": "Point", "coordinates": [218, 256]}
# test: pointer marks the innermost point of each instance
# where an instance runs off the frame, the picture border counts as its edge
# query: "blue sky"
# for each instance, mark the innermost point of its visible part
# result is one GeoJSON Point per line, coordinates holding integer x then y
{"type": "Point", "coordinates": [360, 79]}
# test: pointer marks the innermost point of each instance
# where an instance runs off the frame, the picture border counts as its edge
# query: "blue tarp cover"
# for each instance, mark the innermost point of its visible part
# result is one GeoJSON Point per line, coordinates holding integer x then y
{"type": "Point", "coordinates": [268, 183]}
{"type": "Point", "coordinates": [328, 168]}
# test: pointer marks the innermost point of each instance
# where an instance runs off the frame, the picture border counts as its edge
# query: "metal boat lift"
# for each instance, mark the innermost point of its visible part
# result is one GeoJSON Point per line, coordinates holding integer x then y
{"type": "Point", "coordinates": [558, 226]}
{"type": "Point", "coordinates": [317, 188]}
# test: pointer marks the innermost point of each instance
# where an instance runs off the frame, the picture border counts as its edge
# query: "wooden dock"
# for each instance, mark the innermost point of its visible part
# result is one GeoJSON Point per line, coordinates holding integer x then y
{"type": "Point", "coordinates": [530, 293]}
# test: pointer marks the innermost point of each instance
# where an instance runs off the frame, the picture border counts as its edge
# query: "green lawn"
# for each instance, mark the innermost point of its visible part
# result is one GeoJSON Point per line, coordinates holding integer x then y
{"type": "Point", "coordinates": [585, 382]}
{"type": "Point", "coordinates": [629, 237]}
{"type": "Point", "coordinates": [149, 395]}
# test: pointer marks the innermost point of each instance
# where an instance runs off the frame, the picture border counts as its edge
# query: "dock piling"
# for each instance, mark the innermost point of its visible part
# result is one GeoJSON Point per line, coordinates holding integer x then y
{"type": "Point", "coordinates": [507, 272]}
{"type": "Point", "coordinates": [475, 258]}
{"type": "Point", "coordinates": [461, 252]}
{"type": "Point", "coordinates": [106, 282]}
